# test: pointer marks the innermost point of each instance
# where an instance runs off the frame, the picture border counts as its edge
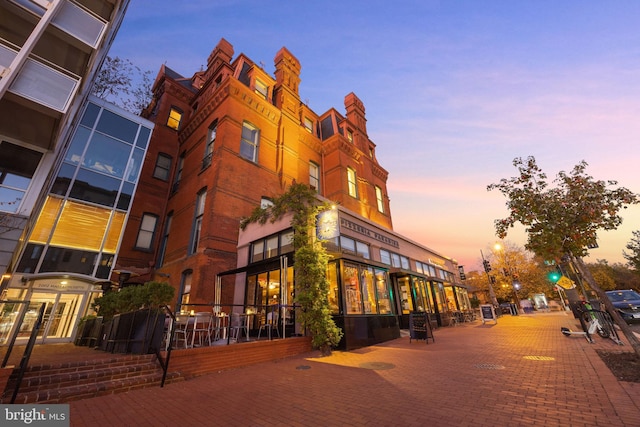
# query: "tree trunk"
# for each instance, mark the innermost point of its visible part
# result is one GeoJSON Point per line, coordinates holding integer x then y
{"type": "Point", "coordinates": [626, 330]}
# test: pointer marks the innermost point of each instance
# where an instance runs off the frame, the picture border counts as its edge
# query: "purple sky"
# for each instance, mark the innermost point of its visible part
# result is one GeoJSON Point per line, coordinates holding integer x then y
{"type": "Point", "coordinates": [453, 91]}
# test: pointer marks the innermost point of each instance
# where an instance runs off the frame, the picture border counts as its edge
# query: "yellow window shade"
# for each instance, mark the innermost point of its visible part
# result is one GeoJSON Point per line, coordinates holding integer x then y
{"type": "Point", "coordinates": [46, 220]}
{"type": "Point", "coordinates": [81, 226]}
{"type": "Point", "coordinates": [115, 230]}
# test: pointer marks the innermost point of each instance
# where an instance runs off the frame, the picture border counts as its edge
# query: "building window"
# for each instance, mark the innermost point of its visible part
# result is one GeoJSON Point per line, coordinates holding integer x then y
{"type": "Point", "coordinates": [272, 246]}
{"type": "Point", "coordinates": [176, 179]}
{"type": "Point", "coordinates": [197, 221]}
{"type": "Point", "coordinates": [308, 124]}
{"type": "Point", "coordinates": [351, 179]}
{"type": "Point", "coordinates": [165, 239]}
{"type": "Point", "coordinates": [379, 199]}
{"type": "Point", "coordinates": [249, 142]}
{"type": "Point", "coordinates": [163, 167]}
{"type": "Point", "coordinates": [350, 135]}
{"type": "Point", "coordinates": [211, 138]}
{"type": "Point", "coordinates": [175, 116]}
{"type": "Point", "coordinates": [314, 176]}
{"type": "Point", "coordinates": [265, 203]}
{"type": "Point", "coordinates": [17, 167]}
{"type": "Point", "coordinates": [261, 89]}
{"type": "Point", "coordinates": [185, 291]}
{"type": "Point", "coordinates": [146, 232]}
{"type": "Point", "coordinates": [385, 257]}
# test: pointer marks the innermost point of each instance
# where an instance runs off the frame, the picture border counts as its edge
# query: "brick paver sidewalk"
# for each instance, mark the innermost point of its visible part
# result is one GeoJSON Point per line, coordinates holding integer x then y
{"type": "Point", "coordinates": [521, 371]}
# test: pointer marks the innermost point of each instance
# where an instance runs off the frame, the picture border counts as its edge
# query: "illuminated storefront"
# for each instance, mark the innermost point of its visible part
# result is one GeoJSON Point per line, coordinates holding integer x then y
{"type": "Point", "coordinates": [376, 277]}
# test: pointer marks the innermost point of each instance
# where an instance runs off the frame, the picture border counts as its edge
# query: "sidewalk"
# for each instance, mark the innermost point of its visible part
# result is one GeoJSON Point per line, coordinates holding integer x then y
{"type": "Point", "coordinates": [521, 371]}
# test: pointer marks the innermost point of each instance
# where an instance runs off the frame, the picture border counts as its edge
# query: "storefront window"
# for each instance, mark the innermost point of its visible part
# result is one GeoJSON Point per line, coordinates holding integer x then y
{"type": "Point", "coordinates": [352, 292]}
{"type": "Point", "coordinates": [422, 300]}
{"type": "Point", "coordinates": [369, 291]}
{"type": "Point", "coordinates": [405, 294]}
{"type": "Point", "coordinates": [332, 277]}
{"type": "Point", "coordinates": [438, 293]}
{"type": "Point", "coordinates": [382, 287]}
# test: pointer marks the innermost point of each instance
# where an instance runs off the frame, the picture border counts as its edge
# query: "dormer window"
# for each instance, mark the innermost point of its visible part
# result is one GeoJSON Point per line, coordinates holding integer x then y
{"type": "Point", "coordinates": [308, 124]}
{"type": "Point", "coordinates": [261, 89]}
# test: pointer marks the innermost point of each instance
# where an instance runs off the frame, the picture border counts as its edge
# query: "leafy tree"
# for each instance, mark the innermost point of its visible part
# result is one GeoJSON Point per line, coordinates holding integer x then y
{"type": "Point", "coordinates": [124, 84]}
{"type": "Point", "coordinates": [603, 274]}
{"type": "Point", "coordinates": [310, 262]}
{"type": "Point", "coordinates": [149, 295]}
{"type": "Point", "coordinates": [633, 257]}
{"type": "Point", "coordinates": [562, 221]}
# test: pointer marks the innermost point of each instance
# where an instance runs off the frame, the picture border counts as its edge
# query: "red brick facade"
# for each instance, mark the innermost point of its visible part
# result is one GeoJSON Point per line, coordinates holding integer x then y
{"type": "Point", "coordinates": [233, 93]}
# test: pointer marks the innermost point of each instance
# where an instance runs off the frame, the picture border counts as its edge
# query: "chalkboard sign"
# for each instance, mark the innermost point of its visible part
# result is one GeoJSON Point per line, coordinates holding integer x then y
{"type": "Point", "coordinates": [488, 313]}
{"type": "Point", "coordinates": [420, 327]}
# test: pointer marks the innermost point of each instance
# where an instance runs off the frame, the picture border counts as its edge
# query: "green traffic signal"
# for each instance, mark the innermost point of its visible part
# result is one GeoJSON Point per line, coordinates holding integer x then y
{"type": "Point", "coordinates": [554, 276]}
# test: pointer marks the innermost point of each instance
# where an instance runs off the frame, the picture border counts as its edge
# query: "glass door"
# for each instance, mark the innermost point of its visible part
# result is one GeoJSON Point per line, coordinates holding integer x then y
{"type": "Point", "coordinates": [61, 312]}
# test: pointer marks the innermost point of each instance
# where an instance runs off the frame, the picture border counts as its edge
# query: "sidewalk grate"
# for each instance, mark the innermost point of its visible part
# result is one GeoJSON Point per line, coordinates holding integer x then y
{"type": "Point", "coordinates": [488, 366]}
{"type": "Point", "coordinates": [378, 366]}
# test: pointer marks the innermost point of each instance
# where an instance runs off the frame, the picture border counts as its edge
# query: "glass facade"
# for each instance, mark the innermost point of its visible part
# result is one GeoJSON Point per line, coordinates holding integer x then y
{"type": "Point", "coordinates": [91, 194]}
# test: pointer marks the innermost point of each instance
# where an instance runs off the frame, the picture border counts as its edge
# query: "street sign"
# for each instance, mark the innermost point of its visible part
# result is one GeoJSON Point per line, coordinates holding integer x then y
{"type": "Point", "coordinates": [566, 283]}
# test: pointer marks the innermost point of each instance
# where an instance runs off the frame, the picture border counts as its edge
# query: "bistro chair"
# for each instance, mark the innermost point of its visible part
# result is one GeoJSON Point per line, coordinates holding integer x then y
{"type": "Point", "coordinates": [183, 331]}
{"type": "Point", "coordinates": [202, 329]}
{"type": "Point", "coordinates": [270, 324]}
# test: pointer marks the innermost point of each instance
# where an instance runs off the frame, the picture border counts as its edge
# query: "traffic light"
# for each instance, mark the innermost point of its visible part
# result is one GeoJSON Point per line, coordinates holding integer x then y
{"type": "Point", "coordinates": [487, 266]}
{"type": "Point", "coordinates": [554, 276]}
{"type": "Point", "coordinates": [461, 271]}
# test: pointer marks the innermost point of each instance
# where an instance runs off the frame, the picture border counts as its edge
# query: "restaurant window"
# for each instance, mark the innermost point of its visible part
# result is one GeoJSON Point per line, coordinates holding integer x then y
{"type": "Point", "coordinates": [175, 116]}
{"type": "Point", "coordinates": [211, 138]}
{"type": "Point", "coordinates": [257, 250]}
{"type": "Point", "coordinates": [197, 221]}
{"type": "Point", "coordinates": [379, 199]}
{"type": "Point", "coordinates": [185, 291]}
{"type": "Point", "coordinates": [163, 167]}
{"type": "Point", "coordinates": [382, 291]}
{"type": "Point", "coordinates": [421, 294]}
{"type": "Point", "coordinates": [286, 242]}
{"type": "Point", "coordinates": [352, 293]}
{"type": "Point", "coordinates": [438, 293]}
{"type": "Point", "coordinates": [352, 182]}
{"type": "Point", "coordinates": [404, 262]}
{"type": "Point", "coordinates": [395, 260]}
{"type": "Point", "coordinates": [249, 142]}
{"type": "Point", "coordinates": [419, 267]}
{"type": "Point", "coordinates": [146, 231]}
{"type": "Point", "coordinates": [406, 294]}
{"type": "Point", "coordinates": [332, 278]}
{"type": "Point", "coordinates": [347, 245]}
{"type": "Point", "coordinates": [17, 167]}
{"type": "Point", "coordinates": [314, 176]}
{"type": "Point", "coordinates": [271, 247]}
{"type": "Point", "coordinates": [362, 249]}
{"type": "Point", "coordinates": [369, 291]}
{"type": "Point", "coordinates": [385, 257]}
{"type": "Point", "coordinates": [165, 239]}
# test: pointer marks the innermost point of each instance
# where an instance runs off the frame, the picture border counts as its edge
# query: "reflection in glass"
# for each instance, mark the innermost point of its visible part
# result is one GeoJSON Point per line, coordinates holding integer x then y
{"type": "Point", "coordinates": [107, 155]}
{"type": "Point", "coordinates": [96, 188]}
{"type": "Point", "coordinates": [117, 126]}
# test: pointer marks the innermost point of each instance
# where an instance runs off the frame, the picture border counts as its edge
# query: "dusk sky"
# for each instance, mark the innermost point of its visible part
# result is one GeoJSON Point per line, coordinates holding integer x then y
{"type": "Point", "coordinates": [453, 91]}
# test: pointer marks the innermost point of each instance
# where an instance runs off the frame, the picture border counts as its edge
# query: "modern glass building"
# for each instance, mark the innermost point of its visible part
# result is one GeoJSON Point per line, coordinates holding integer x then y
{"type": "Point", "coordinates": [71, 248]}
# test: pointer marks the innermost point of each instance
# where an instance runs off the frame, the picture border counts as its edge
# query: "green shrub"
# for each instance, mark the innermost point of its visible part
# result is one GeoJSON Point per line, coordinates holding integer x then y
{"type": "Point", "coordinates": [149, 295]}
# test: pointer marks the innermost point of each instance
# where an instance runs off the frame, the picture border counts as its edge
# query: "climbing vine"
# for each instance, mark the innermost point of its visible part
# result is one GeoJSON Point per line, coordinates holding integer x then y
{"type": "Point", "coordinates": [310, 262]}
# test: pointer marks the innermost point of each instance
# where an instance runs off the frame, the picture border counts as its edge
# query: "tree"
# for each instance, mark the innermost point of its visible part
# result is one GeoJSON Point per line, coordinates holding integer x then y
{"type": "Point", "coordinates": [562, 221]}
{"type": "Point", "coordinates": [310, 262]}
{"type": "Point", "coordinates": [633, 257]}
{"type": "Point", "coordinates": [121, 82]}
{"type": "Point", "coordinates": [604, 275]}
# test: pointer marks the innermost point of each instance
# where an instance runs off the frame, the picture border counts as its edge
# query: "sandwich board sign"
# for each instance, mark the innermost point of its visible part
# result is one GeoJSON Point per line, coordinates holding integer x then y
{"type": "Point", "coordinates": [487, 313]}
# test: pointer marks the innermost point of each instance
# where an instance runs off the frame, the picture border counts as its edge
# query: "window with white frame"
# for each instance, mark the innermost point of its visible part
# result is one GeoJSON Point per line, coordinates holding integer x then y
{"type": "Point", "coordinates": [163, 167]}
{"type": "Point", "coordinates": [314, 176]}
{"type": "Point", "coordinates": [146, 231]}
{"type": "Point", "coordinates": [352, 182]}
{"type": "Point", "coordinates": [308, 124]}
{"type": "Point", "coordinates": [249, 142]}
{"type": "Point", "coordinates": [208, 150]}
{"type": "Point", "coordinates": [197, 221]}
{"type": "Point", "coordinates": [379, 199]}
{"type": "Point", "coordinates": [175, 117]}
{"type": "Point", "coordinates": [261, 89]}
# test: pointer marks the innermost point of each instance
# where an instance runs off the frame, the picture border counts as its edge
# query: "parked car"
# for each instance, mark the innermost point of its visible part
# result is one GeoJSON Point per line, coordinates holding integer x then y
{"type": "Point", "coordinates": [627, 303]}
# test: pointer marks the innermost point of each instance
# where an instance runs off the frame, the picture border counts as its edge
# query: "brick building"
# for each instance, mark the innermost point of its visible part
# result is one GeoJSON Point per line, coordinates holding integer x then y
{"type": "Point", "coordinates": [229, 139]}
